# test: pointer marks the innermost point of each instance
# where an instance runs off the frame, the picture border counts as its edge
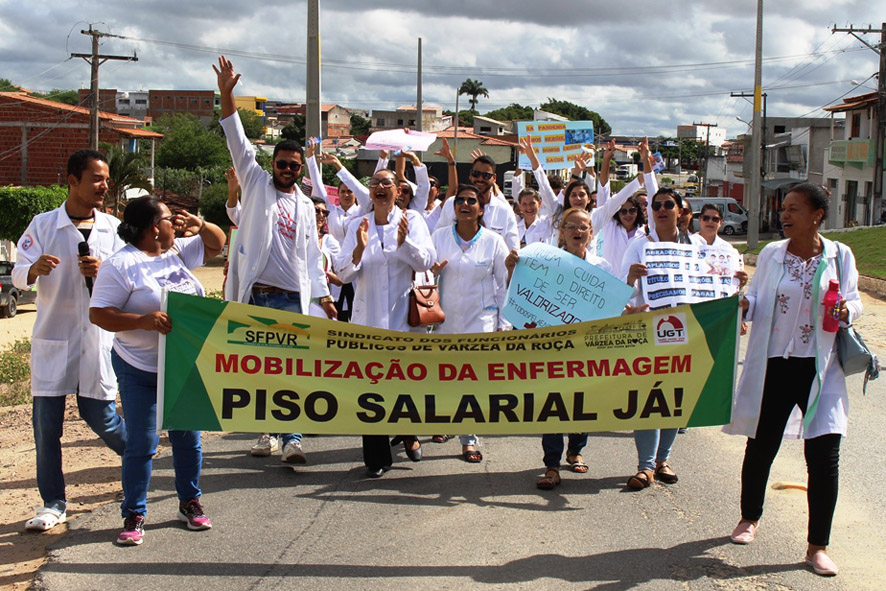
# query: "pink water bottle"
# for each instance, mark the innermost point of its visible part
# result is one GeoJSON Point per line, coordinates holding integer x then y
{"type": "Point", "coordinates": [831, 304]}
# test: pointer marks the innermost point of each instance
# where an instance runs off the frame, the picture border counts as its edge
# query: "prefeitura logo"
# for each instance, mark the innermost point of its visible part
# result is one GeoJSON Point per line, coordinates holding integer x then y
{"type": "Point", "coordinates": [618, 335]}
{"type": "Point", "coordinates": [670, 329]}
{"type": "Point", "coordinates": [270, 333]}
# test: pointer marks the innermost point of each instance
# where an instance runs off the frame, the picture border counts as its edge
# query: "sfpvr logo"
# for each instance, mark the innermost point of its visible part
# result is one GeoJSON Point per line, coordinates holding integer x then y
{"type": "Point", "coordinates": [671, 329]}
{"type": "Point", "coordinates": [268, 332]}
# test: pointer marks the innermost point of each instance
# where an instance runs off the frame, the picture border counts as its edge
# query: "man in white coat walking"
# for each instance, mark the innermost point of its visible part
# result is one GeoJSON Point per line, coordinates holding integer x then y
{"type": "Point", "coordinates": [275, 260]}
{"type": "Point", "coordinates": [61, 252]}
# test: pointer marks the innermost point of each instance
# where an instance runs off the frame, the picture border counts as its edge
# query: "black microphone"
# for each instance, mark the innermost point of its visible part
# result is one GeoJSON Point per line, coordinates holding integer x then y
{"type": "Point", "coordinates": [83, 251]}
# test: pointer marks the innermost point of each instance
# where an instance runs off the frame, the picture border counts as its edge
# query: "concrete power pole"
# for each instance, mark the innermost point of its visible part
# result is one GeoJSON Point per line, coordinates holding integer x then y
{"type": "Point", "coordinates": [95, 60]}
{"type": "Point", "coordinates": [312, 78]}
{"type": "Point", "coordinates": [707, 144]}
{"type": "Point", "coordinates": [880, 135]}
{"type": "Point", "coordinates": [418, 101]}
{"type": "Point", "coordinates": [756, 183]}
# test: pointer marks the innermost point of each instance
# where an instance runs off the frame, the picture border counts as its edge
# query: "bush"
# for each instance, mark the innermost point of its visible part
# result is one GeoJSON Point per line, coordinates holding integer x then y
{"type": "Point", "coordinates": [15, 373]}
{"type": "Point", "coordinates": [20, 204]}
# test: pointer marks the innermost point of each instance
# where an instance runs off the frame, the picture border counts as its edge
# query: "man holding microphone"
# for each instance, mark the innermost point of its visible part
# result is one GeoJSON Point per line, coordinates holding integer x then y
{"type": "Point", "coordinates": [61, 252]}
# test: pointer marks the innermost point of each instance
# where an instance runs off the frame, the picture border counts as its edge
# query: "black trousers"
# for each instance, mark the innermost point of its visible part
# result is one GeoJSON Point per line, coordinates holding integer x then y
{"type": "Point", "coordinates": [787, 385]}
{"type": "Point", "coordinates": [345, 302]}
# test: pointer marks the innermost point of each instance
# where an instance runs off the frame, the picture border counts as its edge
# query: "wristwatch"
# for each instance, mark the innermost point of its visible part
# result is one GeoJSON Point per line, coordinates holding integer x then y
{"type": "Point", "coordinates": [326, 299]}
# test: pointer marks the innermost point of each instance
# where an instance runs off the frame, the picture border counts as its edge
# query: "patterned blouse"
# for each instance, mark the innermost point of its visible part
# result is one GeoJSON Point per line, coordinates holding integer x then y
{"type": "Point", "coordinates": [793, 326]}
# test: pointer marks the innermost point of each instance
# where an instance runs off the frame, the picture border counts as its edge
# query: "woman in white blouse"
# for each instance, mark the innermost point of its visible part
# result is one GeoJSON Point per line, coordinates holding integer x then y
{"type": "Point", "coordinates": [473, 279]}
{"type": "Point", "coordinates": [791, 369]}
{"type": "Point", "coordinates": [381, 253]}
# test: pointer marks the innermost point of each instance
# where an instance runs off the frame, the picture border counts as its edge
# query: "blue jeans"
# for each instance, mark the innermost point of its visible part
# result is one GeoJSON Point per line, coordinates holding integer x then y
{"type": "Point", "coordinates": [289, 302]}
{"type": "Point", "coordinates": [138, 394]}
{"type": "Point", "coordinates": [653, 445]}
{"type": "Point", "coordinates": [552, 445]}
{"type": "Point", "coordinates": [47, 418]}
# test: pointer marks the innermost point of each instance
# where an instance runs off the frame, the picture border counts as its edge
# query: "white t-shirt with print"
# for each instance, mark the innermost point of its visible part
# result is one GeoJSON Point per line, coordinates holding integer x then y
{"type": "Point", "coordinates": [132, 281]}
{"type": "Point", "coordinates": [281, 269]}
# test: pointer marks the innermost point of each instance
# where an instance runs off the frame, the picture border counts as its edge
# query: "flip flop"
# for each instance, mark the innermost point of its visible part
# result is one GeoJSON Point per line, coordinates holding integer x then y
{"type": "Point", "coordinates": [46, 519]}
{"type": "Point", "coordinates": [578, 466]}
{"type": "Point", "coordinates": [550, 479]}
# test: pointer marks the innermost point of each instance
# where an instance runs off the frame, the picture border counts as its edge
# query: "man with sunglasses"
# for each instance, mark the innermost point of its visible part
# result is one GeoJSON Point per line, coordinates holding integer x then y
{"type": "Point", "coordinates": [275, 260]}
{"type": "Point", "coordinates": [498, 215]}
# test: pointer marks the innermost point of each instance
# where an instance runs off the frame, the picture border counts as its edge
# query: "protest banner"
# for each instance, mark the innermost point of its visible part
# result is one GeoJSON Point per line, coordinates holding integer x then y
{"type": "Point", "coordinates": [557, 143]}
{"type": "Point", "coordinates": [398, 139]}
{"type": "Point", "coordinates": [550, 286]}
{"type": "Point", "coordinates": [227, 366]}
{"type": "Point", "coordinates": [688, 273]}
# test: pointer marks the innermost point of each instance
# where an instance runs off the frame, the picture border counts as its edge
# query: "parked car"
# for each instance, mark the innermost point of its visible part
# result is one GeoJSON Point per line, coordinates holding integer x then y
{"type": "Point", "coordinates": [10, 296]}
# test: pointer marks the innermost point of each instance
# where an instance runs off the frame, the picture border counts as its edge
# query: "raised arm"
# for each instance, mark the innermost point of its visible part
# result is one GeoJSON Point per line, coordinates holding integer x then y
{"type": "Point", "coordinates": [608, 155]}
{"type": "Point", "coordinates": [549, 204]}
{"type": "Point", "coordinates": [227, 80]}
{"type": "Point", "coordinates": [445, 152]}
{"type": "Point", "coordinates": [361, 193]}
{"type": "Point", "coordinates": [318, 189]}
{"type": "Point", "coordinates": [422, 181]}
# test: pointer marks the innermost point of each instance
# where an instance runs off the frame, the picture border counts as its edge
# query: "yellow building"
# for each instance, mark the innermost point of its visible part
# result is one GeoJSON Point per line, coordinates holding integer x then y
{"type": "Point", "coordinates": [252, 103]}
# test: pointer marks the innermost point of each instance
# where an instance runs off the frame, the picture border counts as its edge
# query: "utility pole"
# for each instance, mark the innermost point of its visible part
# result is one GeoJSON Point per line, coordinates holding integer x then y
{"type": "Point", "coordinates": [418, 101]}
{"type": "Point", "coordinates": [880, 135]}
{"type": "Point", "coordinates": [756, 184]}
{"type": "Point", "coordinates": [761, 171]}
{"type": "Point", "coordinates": [707, 143]}
{"type": "Point", "coordinates": [312, 77]}
{"type": "Point", "coordinates": [95, 60]}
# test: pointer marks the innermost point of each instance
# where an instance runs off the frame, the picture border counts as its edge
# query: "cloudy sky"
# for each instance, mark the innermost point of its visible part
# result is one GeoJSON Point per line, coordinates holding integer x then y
{"type": "Point", "coordinates": [644, 66]}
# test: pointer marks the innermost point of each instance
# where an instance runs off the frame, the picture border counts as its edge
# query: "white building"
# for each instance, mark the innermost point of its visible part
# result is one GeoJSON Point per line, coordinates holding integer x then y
{"type": "Point", "coordinates": [701, 133]}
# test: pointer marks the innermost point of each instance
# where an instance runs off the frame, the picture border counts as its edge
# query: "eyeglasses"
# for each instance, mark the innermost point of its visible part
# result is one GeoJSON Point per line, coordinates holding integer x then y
{"type": "Point", "coordinates": [386, 182]}
{"type": "Point", "coordinates": [627, 210]}
{"type": "Point", "coordinates": [479, 173]}
{"type": "Point", "coordinates": [321, 212]}
{"type": "Point", "coordinates": [433, 184]}
{"type": "Point", "coordinates": [166, 217]}
{"type": "Point", "coordinates": [570, 227]}
{"type": "Point", "coordinates": [469, 200]}
{"type": "Point", "coordinates": [283, 165]}
{"type": "Point", "coordinates": [656, 205]}
{"type": "Point", "coordinates": [710, 218]}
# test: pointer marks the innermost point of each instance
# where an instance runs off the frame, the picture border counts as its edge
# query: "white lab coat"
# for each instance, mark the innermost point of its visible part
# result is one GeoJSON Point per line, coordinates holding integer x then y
{"type": "Point", "coordinates": [473, 284]}
{"type": "Point", "coordinates": [383, 277]}
{"type": "Point", "coordinates": [68, 353]}
{"type": "Point", "coordinates": [252, 246]}
{"type": "Point", "coordinates": [610, 236]}
{"type": "Point", "coordinates": [828, 401]}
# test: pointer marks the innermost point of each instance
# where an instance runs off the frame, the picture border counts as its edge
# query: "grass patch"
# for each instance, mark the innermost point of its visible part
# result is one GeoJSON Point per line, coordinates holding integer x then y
{"type": "Point", "coordinates": [15, 373]}
{"type": "Point", "coordinates": [867, 245]}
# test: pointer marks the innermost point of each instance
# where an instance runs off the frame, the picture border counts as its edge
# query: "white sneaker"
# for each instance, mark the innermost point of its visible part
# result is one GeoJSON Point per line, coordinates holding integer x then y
{"type": "Point", "coordinates": [265, 446]}
{"type": "Point", "coordinates": [46, 519]}
{"type": "Point", "coordinates": [293, 454]}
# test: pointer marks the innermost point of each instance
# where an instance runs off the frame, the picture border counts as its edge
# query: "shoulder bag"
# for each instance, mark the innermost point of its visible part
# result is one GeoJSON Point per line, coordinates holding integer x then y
{"type": "Point", "coordinates": [854, 354]}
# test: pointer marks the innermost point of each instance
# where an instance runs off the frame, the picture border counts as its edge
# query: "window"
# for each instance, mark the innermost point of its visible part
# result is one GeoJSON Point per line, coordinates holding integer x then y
{"type": "Point", "coordinates": [779, 128]}
{"type": "Point", "coordinates": [411, 122]}
{"type": "Point", "coordinates": [400, 122]}
{"type": "Point", "coordinates": [856, 126]}
{"type": "Point", "coordinates": [141, 101]}
{"type": "Point", "coordinates": [124, 101]}
{"type": "Point", "coordinates": [733, 208]}
{"type": "Point", "coordinates": [380, 122]}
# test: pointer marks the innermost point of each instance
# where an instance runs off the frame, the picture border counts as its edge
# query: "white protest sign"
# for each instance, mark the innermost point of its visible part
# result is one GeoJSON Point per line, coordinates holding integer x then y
{"type": "Point", "coordinates": [398, 139]}
{"type": "Point", "coordinates": [688, 273]}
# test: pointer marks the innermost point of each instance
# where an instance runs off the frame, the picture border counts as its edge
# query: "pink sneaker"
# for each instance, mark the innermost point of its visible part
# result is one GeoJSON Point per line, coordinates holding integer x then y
{"type": "Point", "coordinates": [822, 564]}
{"type": "Point", "coordinates": [192, 513]}
{"type": "Point", "coordinates": [744, 532]}
{"type": "Point", "coordinates": [133, 530]}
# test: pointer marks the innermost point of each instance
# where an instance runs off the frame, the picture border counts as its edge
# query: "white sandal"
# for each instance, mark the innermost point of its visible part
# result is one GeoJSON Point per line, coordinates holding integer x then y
{"type": "Point", "coordinates": [46, 519]}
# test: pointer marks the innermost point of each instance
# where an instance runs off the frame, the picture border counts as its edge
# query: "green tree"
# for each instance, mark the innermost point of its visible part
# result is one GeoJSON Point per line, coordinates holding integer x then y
{"type": "Point", "coordinates": [253, 124]}
{"type": "Point", "coordinates": [295, 130]}
{"type": "Point", "coordinates": [68, 97]}
{"type": "Point", "coordinates": [6, 85]}
{"type": "Point", "coordinates": [513, 112]}
{"type": "Point", "coordinates": [126, 170]}
{"type": "Point", "coordinates": [212, 205]}
{"type": "Point", "coordinates": [20, 204]}
{"type": "Point", "coordinates": [577, 113]}
{"type": "Point", "coordinates": [473, 88]}
{"type": "Point", "coordinates": [188, 145]}
{"type": "Point", "coordinates": [359, 125]}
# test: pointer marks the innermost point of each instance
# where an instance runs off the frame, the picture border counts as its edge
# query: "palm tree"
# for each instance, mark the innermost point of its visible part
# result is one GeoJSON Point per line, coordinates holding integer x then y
{"type": "Point", "coordinates": [473, 88]}
{"type": "Point", "coordinates": [126, 171]}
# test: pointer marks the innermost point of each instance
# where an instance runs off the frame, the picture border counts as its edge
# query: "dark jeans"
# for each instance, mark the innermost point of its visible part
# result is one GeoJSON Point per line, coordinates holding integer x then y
{"type": "Point", "coordinates": [552, 445]}
{"type": "Point", "coordinates": [787, 384]}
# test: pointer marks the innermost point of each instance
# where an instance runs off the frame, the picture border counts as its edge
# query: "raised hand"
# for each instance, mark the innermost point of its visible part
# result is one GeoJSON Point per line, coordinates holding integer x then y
{"type": "Point", "coordinates": [444, 151]}
{"type": "Point", "coordinates": [327, 158]}
{"type": "Point", "coordinates": [227, 80]}
{"type": "Point", "coordinates": [402, 230]}
{"type": "Point", "coordinates": [437, 268]}
{"type": "Point", "coordinates": [476, 153]}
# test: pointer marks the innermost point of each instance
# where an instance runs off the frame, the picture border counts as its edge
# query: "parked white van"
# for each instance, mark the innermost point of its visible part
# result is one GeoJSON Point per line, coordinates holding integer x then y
{"type": "Point", "coordinates": [735, 217]}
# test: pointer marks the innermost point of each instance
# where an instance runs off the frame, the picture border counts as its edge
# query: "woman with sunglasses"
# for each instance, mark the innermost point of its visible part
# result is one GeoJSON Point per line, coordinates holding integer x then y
{"type": "Point", "coordinates": [126, 301]}
{"type": "Point", "coordinates": [653, 445]}
{"type": "Point", "coordinates": [473, 280]}
{"type": "Point", "coordinates": [381, 254]}
{"type": "Point", "coordinates": [574, 237]}
{"type": "Point", "coordinates": [792, 384]}
{"type": "Point", "coordinates": [709, 226]}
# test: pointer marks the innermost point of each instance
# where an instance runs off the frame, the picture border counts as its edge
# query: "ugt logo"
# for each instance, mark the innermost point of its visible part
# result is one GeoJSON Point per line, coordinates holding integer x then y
{"type": "Point", "coordinates": [671, 330]}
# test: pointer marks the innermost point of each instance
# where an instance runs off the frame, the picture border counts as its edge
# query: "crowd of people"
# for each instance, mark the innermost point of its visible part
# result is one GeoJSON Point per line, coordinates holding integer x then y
{"type": "Point", "coordinates": [356, 258]}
